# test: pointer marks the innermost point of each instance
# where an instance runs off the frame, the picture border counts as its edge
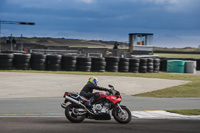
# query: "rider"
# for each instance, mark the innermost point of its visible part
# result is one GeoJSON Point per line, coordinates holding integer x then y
{"type": "Point", "coordinates": [88, 89]}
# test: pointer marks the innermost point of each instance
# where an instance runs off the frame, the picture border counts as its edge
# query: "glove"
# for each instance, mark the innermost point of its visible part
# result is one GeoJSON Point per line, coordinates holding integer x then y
{"type": "Point", "coordinates": [110, 91]}
{"type": "Point", "coordinates": [117, 93]}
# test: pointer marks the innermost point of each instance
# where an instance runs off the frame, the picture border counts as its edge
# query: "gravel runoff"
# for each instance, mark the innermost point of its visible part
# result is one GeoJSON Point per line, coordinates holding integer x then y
{"type": "Point", "coordinates": [21, 85]}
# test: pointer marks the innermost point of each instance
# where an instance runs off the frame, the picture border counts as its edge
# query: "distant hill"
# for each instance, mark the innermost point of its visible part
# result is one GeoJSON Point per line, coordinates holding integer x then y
{"type": "Point", "coordinates": [47, 41]}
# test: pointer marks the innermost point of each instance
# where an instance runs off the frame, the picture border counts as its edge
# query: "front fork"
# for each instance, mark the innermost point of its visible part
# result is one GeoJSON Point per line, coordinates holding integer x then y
{"type": "Point", "coordinates": [120, 109]}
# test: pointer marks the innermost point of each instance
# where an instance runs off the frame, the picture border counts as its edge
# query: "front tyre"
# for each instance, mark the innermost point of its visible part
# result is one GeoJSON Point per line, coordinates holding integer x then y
{"type": "Point", "coordinates": [71, 116]}
{"type": "Point", "coordinates": [123, 116]}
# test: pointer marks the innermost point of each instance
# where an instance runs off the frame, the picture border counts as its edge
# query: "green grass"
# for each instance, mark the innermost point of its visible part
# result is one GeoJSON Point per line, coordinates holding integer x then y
{"type": "Point", "coordinates": [186, 111]}
{"type": "Point", "coordinates": [196, 56]}
{"type": "Point", "coordinates": [186, 49]}
{"type": "Point", "coordinates": [190, 90]}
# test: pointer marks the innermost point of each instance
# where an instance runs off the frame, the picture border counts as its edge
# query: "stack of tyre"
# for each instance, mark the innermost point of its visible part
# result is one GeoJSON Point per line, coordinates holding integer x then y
{"type": "Point", "coordinates": [84, 64]}
{"type": "Point", "coordinates": [156, 63]}
{"type": "Point", "coordinates": [6, 61]}
{"type": "Point", "coordinates": [22, 61]}
{"type": "Point", "coordinates": [53, 62]}
{"type": "Point", "coordinates": [198, 64]}
{"type": "Point", "coordinates": [123, 64]}
{"type": "Point", "coordinates": [98, 64]}
{"type": "Point", "coordinates": [38, 61]}
{"type": "Point", "coordinates": [150, 68]}
{"type": "Point", "coordinates": [134, 64]}
{"type": "Point", "coordinates": [143, 65]}
{"type": "Point", "coordinates": [68, 63]}
{"type": "Point", "coordinates": [112, 64]}
{"type": "Point", "coordinates": [163, 64]}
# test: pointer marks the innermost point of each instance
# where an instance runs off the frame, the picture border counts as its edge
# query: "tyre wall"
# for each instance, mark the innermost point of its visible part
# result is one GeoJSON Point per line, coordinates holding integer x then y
{"type": "Point", "coordinates": [38, 62]}
{"type": "Point", "coordinates": [123, 65]}
{"type": "Point", "coordinates": [68, 63]}
{"type": "Point", "coordinates": [198, 64]}
{"type": "Point", "coordinates": [143, 65]}
{"type": "Point", "coordinates": [98, 64]}
{"type": "Point", "coordinates": [163, 64]}
{"type": "Point", "coordinates": [150, 65]}
{"type": "Point", "coordinates": [22, 61]}
{"type": "Point", "coordinates": [84, 64]}
{"type": "Point", "coordinates": [112, 64]}
{"type": "Point", "coordinates": [6, 61]}
{"type": "Point", "coordinates": [156, 65]}
{"type": "Point", "coordinates": [134, 64]}
{"type": "Point", "coordinates": [53, 62]}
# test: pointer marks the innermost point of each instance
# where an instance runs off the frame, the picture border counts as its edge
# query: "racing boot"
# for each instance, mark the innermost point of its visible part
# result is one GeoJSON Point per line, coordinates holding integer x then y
{"type": "Point", "coordinates": [88, 103]}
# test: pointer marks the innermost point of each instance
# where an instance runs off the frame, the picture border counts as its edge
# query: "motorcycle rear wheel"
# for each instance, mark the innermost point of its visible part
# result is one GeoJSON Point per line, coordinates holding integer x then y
{"type": "Point", "coordinates": [121, 117]}
{"type": "Point", "coordinates": [72, 117]}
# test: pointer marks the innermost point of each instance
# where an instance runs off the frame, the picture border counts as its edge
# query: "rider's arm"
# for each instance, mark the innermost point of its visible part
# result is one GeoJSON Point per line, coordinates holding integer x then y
{"type": "Point", "coordinates": [100, 88]}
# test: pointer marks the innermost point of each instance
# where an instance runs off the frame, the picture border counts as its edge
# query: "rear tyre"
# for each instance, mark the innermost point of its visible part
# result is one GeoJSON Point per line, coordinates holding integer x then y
{"type": "Point", "coordinates": [120, 117]}
{"type": "Point", "coordinates": [71, 116]}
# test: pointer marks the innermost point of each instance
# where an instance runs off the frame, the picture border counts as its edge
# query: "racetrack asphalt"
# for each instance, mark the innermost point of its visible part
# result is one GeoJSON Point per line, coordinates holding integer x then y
{"type": "Point", "coordinates": [61, 124]}
{"type": "Point", "coordinates": [51, 106]}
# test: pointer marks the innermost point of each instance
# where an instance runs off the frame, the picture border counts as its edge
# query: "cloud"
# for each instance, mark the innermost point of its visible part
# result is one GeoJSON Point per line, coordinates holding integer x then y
{"type": "Point", "coordinates": [86, 1]}
{"type": "Point", "coordinates": [183, 6]}
{"type": "Point", "coordinates": [104, 18]}
{"type": "Point", "coordinates": [167, 5]}
{"type": "Point", "coordinates": [51, 4]}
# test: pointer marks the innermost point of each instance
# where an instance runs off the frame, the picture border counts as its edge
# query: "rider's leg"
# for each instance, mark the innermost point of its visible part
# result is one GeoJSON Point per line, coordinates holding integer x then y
{"type": "Point", "coordinates": [93, 98]}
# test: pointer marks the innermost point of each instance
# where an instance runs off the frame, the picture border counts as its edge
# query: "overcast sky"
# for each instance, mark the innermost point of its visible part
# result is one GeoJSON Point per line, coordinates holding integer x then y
{"type": "Point", "coordinates": [175, 23]}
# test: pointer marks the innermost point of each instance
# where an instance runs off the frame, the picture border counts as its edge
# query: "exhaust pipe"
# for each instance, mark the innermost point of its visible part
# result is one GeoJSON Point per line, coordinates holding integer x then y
{"type": "Point", "coordinates": [72, 100]}
{"type": "Point", "coordinates": [77, 102]}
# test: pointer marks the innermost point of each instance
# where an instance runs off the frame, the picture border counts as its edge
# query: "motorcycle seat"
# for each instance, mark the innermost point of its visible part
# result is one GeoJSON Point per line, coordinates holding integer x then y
{"type": "Point", "coordinates": [71, 94]}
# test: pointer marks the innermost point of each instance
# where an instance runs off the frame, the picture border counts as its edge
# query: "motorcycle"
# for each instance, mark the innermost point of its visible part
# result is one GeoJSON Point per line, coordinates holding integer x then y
{"type": "Point", "coordinates": [76, 111]}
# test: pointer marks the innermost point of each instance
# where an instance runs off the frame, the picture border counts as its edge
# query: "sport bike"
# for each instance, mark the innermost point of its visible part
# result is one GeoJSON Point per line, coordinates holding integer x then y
{"type": "Point", "coordinates": [101, 108]}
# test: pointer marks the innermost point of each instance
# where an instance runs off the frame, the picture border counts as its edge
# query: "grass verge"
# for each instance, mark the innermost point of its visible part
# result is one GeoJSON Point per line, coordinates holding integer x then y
{"type": "Point", "coordinates": [190, 90]}
{"type": "Point", "coordinates": [195, 56]}
{"type": "Point", "coordinates": [186, 111]}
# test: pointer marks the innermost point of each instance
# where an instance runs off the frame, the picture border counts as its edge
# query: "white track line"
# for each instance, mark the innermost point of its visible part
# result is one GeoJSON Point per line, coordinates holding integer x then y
{"type": "Point", "coordinates": [161, 114]}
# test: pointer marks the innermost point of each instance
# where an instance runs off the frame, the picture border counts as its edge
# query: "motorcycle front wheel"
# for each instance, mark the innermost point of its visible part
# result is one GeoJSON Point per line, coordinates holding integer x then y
{"type": "Point", "coordinates": [123, 116]}
{"type": "Point", "coordinates": [71, 116]}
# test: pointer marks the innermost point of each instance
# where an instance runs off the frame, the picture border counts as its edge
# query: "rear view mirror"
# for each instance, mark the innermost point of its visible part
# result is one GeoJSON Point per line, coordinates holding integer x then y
{"type": "Point", "coordinates": [110, 86]}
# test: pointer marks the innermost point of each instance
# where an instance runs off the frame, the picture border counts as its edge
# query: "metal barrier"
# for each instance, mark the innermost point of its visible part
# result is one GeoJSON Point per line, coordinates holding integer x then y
{"type": "Point", "coordinates": [48, 51]}
{"type": "Point", "coordinates": [94, 55]}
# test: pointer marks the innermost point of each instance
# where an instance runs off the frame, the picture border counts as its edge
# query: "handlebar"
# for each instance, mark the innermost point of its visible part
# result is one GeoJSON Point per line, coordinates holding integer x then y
{"type": "Point", "coordinates": [115, 92]}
